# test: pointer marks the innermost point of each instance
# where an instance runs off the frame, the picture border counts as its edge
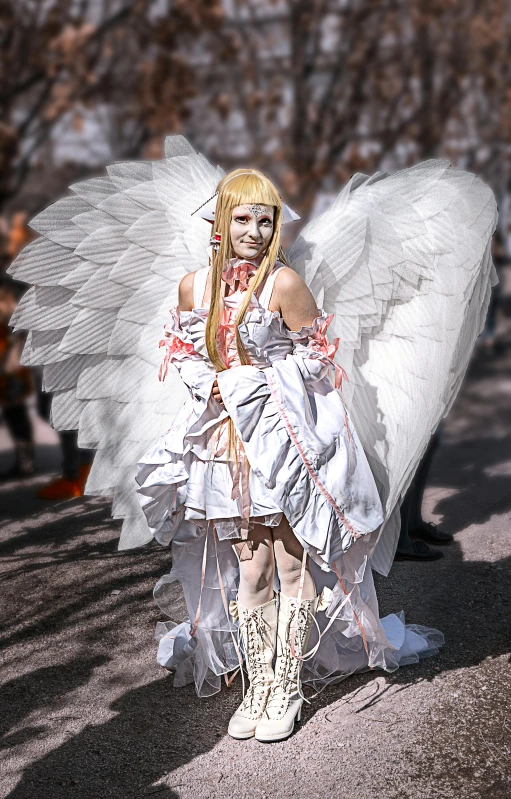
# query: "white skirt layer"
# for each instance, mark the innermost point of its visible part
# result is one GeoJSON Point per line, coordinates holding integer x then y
{"type": "Point", "coordinates": [180, 491]}
{"type": "Point", "coordinates": [298, 464]}
{"type": "Point", "coordinates": [209, 497]}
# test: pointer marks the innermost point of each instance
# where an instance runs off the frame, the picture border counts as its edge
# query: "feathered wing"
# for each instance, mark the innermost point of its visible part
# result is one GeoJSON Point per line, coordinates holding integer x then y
{"type": "Point", "coordinates": [105, 271]}
{"type": "Point", "coordinates": [404, 262]}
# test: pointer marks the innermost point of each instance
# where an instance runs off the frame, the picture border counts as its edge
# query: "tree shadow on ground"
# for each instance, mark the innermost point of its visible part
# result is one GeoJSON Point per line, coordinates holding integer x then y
{"type": "Point", "coordinates": [69, 584]}
{"type": "Point", "coordinates": [41, 688]}
{"type": "Point", "coordinates": [481, 485]}
{"type": "Point", "coordinates": [155, 731]}
{"type": "Point", "coordinates": [158, 729]}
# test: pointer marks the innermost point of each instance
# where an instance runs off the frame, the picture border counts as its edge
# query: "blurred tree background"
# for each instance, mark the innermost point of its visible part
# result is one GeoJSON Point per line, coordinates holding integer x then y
{"type": "Point", "coordinates": [310, 91]}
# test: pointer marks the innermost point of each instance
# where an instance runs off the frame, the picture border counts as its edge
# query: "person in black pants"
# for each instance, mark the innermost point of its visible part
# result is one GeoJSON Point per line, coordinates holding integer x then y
{"type": "Point", "coordinates": [20, 428]}
{"type": "Point", "coordinates": [76, 462]}
{"type": "Point", "coordinates": [16, 385]}
{"type": "Point", "coordinates": [416, 534]}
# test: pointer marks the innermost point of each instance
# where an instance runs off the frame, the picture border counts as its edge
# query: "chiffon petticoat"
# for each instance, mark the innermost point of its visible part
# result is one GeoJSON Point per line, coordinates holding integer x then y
{"type": "Point", "coordinates": [388, 644]}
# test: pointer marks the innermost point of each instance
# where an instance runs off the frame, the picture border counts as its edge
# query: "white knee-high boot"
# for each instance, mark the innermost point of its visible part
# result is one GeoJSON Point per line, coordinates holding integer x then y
{"type": "Point", "coordinates": [284, 703]}
{"type": "Point", "coordinates": [258, 630]}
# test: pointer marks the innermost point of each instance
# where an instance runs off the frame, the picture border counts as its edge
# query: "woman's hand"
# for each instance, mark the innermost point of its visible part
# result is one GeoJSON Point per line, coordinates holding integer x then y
{"type": "Point", "coordinates": [216, 393]}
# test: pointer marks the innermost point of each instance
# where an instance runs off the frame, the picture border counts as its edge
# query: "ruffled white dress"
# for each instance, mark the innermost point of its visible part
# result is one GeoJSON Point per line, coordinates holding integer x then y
{"type": "Point", "coordinates": [299, 456]}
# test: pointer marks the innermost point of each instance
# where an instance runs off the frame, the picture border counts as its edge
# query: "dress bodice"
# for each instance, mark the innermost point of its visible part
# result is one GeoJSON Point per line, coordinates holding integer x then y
{"type": "Point", "coordinates": [264, 333]}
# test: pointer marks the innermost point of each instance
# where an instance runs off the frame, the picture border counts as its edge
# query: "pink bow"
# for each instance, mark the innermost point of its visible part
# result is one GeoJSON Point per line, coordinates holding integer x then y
{"type": "Point", "coordinates": [175, 347]}
{"type": "Point", "coordinates": [241, 272]}
{"type": "Point", "coordinates": [320, 343]}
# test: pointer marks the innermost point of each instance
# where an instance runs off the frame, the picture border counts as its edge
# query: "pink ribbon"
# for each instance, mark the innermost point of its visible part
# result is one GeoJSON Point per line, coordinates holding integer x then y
{"type": "Point", "coordinates": [226, 338]}
{"type": "Point", "coordinates": [240, 473]}
{"type": "Point", "coordinates": [226, 335]}
{"type": "Point", "coordinates": [308, 465]}
{"type": "Point", "coordinates": [241, 272]}
{"type": "Point", "coordinates": [319, 342]}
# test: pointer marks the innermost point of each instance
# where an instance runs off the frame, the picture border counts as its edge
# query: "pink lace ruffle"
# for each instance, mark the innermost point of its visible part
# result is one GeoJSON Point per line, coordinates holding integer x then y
{"type": "Point", "coordinates": [324, 349]}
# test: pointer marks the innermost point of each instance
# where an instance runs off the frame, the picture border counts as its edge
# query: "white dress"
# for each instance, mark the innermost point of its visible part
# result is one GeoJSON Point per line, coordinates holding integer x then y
{"type": "Point", "coordinates": [300, 457]}
{"type": "Point", "coordinates": [404, 262]}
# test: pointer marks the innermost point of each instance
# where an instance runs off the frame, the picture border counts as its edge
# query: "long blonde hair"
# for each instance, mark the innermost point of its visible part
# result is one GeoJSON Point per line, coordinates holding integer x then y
{"type": "Point", "coordinates": [240, 187]}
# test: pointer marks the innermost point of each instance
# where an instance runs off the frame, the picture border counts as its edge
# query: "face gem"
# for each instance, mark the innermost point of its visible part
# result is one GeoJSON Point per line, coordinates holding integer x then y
{"type": "Point", "coordinates": [256, 210]}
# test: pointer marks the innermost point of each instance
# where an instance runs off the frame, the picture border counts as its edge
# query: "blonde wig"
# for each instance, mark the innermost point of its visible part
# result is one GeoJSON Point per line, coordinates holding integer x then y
{"type": "Point", "coordinates": [241, 187]}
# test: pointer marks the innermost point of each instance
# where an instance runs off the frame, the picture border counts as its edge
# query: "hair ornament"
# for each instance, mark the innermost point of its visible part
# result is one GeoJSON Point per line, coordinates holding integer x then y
{"type": "Point", "coordinates": [215, 241]}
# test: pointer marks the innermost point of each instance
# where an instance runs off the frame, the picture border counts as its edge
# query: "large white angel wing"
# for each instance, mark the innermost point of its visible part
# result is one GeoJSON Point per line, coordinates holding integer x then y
{"type": "Point", "coordinates": [105, 271]}
{"type": "Point", "coordinates": [404, 263]}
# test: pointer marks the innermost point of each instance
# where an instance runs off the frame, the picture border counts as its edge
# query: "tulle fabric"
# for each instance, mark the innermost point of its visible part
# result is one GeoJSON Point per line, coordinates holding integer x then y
{"type": "Point", "coordinates": [387, 643]}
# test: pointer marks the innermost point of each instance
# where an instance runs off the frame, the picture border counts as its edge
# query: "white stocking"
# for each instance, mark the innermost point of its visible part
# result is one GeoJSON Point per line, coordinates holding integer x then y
{"type": "Point", "coordinates": [257, 567]}
{"type": "Point", "coordinates": [289, 555]}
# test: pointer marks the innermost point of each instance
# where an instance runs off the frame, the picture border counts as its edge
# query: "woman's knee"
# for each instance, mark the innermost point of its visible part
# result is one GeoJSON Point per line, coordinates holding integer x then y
{"type": "Point", "coordinates": [257, 567]}
{"type": "Point", "coordinates": [259, 581]}
{"type": "Point", "coordinates": [256, 557]}
{"type": "Point", "coordinates": [290, 573]}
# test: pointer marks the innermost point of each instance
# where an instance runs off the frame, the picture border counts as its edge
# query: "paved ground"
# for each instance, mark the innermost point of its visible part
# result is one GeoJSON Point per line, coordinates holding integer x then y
{"type": "Point", "coordinates": [86, 712]}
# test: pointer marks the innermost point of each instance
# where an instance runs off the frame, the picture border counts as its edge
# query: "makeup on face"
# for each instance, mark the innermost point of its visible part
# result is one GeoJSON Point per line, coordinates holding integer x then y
{"type": "Point", "coordinates": [251, 229]}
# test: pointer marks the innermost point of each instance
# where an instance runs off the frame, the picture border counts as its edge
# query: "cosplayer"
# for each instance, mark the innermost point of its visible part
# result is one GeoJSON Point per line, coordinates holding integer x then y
{"type": "Point", "coordinates": [271, 457]}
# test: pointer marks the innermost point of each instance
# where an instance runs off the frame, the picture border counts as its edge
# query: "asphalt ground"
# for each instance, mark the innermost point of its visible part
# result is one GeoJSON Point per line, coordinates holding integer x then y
{"type": "Point", "coordinates": [86, 712]}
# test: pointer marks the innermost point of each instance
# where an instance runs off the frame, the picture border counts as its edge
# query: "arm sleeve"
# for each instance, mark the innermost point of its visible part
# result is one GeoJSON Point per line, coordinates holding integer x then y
{"type": "Point", "coordinates": [195, 373]}
{"type": "Point", "coordinates": [315, 354]}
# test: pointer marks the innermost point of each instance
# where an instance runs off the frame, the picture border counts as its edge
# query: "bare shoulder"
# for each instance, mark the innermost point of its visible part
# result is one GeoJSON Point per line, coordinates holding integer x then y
{"type": "Point", "coordinates": [294, 300]}
{"type": "Point", "coordinates": [290, 287]}
{"type": "Point", "coordinates": [289, 280]}
{"type": "Point", "coordinates": [186, 292]}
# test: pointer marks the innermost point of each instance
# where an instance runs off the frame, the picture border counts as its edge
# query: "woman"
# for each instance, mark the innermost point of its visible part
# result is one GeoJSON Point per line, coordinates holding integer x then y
{"type": "Point", "coordinates": [260, 481]}
{"type": "Point", "coordinates": [264, 453]}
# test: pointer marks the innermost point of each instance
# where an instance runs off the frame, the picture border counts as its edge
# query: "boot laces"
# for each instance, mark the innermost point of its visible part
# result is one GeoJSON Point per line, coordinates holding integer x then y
{"type": "Point", "coordinates": [287, 674]}
{"type": "Point", "coordinates": [255, 626]}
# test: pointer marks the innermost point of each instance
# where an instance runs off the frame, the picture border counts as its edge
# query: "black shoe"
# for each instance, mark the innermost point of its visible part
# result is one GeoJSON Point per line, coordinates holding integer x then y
{"type": "Point", "coordinates": [430, 533]}
{"type": "Point", "coordinates": [418, 551]}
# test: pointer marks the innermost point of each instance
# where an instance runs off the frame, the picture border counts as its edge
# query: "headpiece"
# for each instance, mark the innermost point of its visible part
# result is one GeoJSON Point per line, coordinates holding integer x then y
{"type": "Point", "coordinates": [207, 210]}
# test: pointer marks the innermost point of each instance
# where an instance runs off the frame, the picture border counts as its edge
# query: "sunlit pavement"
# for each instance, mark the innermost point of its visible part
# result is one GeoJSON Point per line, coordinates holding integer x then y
{"type": "Point", "coordinates": [86, 711]}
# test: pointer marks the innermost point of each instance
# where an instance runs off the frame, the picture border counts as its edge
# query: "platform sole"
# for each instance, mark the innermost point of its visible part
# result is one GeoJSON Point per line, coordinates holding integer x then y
{"type": "Point", "coordinates": [241, 736]}
{"type": "Point", "coordinates": [274, 738]}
